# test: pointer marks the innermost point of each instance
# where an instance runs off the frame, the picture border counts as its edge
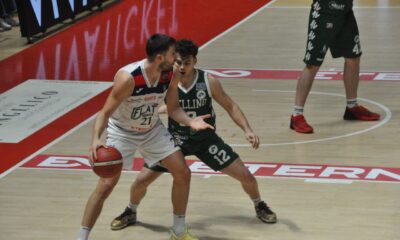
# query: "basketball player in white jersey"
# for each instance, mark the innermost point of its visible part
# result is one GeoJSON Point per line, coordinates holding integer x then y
{"type": "Point", "coordinates": [131, 114]}
{"type": "Point", "coordinates": [196, 91]}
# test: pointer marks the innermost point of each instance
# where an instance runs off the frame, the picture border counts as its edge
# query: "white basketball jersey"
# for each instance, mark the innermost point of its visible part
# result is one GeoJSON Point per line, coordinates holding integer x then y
{"type": "Point", "coordinates": [139, 112]}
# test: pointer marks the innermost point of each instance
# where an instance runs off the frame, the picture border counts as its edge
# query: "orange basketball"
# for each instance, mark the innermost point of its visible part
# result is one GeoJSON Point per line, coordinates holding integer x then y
{"type": "Point", "coordinates": [108, 163]}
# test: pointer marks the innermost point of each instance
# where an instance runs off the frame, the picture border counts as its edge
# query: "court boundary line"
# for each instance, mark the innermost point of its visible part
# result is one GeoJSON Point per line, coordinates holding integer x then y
{"type": "Point", "coordinates": [388, 116]}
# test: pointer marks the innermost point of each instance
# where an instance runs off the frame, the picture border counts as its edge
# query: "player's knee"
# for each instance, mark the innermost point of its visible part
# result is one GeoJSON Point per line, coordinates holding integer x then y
{"type": "Point", "coordinates": [352, 61]}
{"type": "Point", "coordinates": [182, 175]}
{"type": "Point", "coordinates": [186, 173]}
{"type": "Point", "coordinates": [141, 183]}
{"type": "Point", "coordinates": [105, 187]}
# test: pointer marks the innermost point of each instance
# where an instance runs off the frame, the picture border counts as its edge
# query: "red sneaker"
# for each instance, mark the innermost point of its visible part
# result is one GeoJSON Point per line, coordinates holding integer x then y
{"type": "Point", "coordinates": [299, 124]}
{"type": "Point", "coordinates": [360, 113]}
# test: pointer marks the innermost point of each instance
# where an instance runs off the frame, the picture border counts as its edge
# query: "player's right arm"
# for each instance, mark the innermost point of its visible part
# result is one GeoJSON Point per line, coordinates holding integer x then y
{"type": "Point", "coordinates": [122, 88]}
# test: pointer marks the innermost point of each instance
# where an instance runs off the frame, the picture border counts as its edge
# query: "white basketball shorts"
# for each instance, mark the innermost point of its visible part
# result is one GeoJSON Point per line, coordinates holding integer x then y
{"type": "Point", "coordinates": [154, 145]}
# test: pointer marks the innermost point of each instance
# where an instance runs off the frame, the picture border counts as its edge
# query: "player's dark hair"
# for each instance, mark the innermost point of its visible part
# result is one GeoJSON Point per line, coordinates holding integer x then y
{"type": "Point", "coordinates": [186, 48]}
{"type": "Point", "coordinates": [158, 44]}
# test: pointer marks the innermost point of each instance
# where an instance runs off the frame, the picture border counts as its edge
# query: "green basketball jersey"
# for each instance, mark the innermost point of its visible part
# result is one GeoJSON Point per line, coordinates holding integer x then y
{"type": "Point", "coordinates": [195, 101]}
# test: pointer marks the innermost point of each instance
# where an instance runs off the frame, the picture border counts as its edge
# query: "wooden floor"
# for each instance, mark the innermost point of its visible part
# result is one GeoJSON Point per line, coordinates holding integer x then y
{"type": "Point", "coordinates": [45, 204]}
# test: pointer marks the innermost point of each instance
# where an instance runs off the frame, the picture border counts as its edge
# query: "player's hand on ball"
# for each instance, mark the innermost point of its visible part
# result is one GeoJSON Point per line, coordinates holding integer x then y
{"type": "Point", "coordinates": [92, 150]}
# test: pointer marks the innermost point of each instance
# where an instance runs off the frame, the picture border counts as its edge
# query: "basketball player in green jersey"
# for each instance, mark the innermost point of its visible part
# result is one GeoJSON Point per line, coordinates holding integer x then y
{"type": "Point", "coordinates": [196, 91]}
{"type": "Point", "coordinates": [331, 25]}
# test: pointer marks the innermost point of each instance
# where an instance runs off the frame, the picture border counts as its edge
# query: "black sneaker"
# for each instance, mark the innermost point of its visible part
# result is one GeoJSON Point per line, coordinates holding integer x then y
{"type": "Point", "coordinates": [128, 217]}
{"type": "Point", "coordinates": [264, 213]}
{"type": "Point", "coordinates": [10, 21]}
{"type": "Point", "coordinates": [4, 25]}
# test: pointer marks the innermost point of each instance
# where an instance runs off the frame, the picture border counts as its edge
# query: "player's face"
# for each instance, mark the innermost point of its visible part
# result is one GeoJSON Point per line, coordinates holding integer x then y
{"type": "Point", "coordinates": [168, 59]}
{"type": "Point", "coordinates": [185, 65]}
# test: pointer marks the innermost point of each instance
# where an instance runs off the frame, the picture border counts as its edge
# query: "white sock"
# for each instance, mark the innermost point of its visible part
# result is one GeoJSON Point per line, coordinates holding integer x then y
{"type": "Point", "coordinates": [132, 206]}
{"type": "Point", "coordinates": [352, 102]}
{"type": "Point", "coordinates": [84, 233]}
{"type": "Point", "coordinates": [256, 201]}
{"type": "Point", "coordinates": [179, 224]}
{"type": "Point", "coordinates": [297, 110]}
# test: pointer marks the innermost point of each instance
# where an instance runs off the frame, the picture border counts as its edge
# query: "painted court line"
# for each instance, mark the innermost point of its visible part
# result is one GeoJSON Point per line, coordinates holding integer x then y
{"type": "Point", "coordinates": [387, 117]}
{"type": "Point", "coordinates": [293, 74]}
{"type": "Point", "coordinates": [237, 24]}
{"type": "Point", "coordinates": [311, 173]}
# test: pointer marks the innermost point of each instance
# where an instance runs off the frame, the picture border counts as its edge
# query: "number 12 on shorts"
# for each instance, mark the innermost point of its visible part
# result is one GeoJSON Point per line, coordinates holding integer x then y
{"type": "Point", "coordinates": [220, 155]}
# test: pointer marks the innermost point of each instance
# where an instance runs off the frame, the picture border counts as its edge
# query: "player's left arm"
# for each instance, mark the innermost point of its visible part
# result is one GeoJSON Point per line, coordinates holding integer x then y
{"type": "Point", "coordinates": [233, 110]}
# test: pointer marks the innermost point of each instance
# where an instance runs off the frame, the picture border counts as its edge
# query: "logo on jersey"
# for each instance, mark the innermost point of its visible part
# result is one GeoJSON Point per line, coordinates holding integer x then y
{"type": "Point", "coordinates": [133, 100]}
{"type": "Point", "coordinates": [201, 94]}
{"type": "Point", "coordinates": [213, 149]}
{"type": "Point", "coordinates": [150, 98]}
{"type": "Point", "coordinates": [201, 86]}
{"type": "Point", "coordinates": [189, 104]}
{"type": "Point", "coordinates": [143, 111]}
{"type": "Point", "coordinates": [335, 6]}
{"type": "Point", "coordinates": [139, 90]}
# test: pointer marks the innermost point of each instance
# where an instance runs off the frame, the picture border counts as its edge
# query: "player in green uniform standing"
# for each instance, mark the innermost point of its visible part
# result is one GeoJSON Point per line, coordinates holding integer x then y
{"type": "Point", "coordinates": [196, 91]}
{"type": "Point", "coordinates": [331, 25]}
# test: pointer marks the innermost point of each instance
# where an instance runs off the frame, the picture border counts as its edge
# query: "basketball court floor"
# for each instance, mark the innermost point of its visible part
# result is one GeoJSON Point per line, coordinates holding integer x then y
{"type": "Point", "coordinates": [340, 183]}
